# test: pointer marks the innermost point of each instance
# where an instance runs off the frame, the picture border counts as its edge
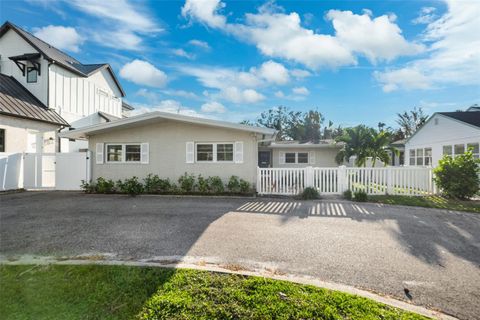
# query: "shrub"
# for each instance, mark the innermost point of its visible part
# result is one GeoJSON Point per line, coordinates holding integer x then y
{"type": "Point", "coordinates": [87, 187]}
{"type": "Point", "coordinates": [309, 193]}
{"type": "Point", "coordinates": [233, 184]}
{"type": "Point", "coordinates": [153, 184]}
{"type": "Point", "coordinates": [202, 184]}
{"type": "Point", "coordinates": [245, 186]}
{"type": "Point", "coordinates": [130, 186]}
{"type": "Point", "coordinates": [360, 196]}
{"type": "Point", "coordinates": [187, 182]}
{"type": "Point", "coordinates": [216, 184]}
{"type": "Point", "coordinates": [104, 186]}
{"type": "Point", "coordinates": [458, 177]}
{"type": "Point", "coordinates": [347, 194]}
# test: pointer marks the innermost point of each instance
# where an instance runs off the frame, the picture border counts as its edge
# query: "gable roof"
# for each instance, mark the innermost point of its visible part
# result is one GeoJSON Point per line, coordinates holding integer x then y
{"type": "Point", "coordinates": [470, 117]}
{"type": "Point", "coordinates": [17, 101]}
{"type": "Point", "coordinates": [152, 117]}
{"type": "Point", "coordinates": [55, 55]}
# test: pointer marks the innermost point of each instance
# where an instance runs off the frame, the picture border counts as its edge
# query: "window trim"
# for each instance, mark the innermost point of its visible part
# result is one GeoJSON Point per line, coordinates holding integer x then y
{"type": "Point", "coordinates": [214, 151]}
{"type": "Point", "coordinates": [124, 152]}
{"type": "Point", "coordinates": [29, 69]}
{"type": "Point", "coordinates": [296, 157]}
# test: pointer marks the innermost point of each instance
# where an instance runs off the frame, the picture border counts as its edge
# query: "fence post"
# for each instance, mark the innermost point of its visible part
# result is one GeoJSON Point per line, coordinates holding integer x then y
{"type": "Point", "coordinates": [259, 180]}
{"type": "Point", "coordinates": [309, 177]}
{"type": "Point", "coordinates": [389, 181]}
{"type": "Point", "coordinates": [342, 179]}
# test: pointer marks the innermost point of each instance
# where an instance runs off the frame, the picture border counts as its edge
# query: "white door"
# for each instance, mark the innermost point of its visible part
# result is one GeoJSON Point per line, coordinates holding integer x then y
{"type": "Point", "coordinates": [71, 169]}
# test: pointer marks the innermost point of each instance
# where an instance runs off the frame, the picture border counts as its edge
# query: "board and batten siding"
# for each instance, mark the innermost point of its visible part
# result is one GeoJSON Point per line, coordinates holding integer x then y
{"type": "Point", "coordinates": [321, 157]}
{"type": "Point", "coordinates": [440, 131]}
{"type": "Point", "coordinates": [167, 157]}
{"type": "Point", "coordinates": [74, 97]}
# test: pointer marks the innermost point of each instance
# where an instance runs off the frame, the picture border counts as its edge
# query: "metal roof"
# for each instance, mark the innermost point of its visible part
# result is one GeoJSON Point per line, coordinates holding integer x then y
{"type": "Point", "coordinates": [152, 117]}
{"type": "Point", "coordinates": [17, 101]}
{"type": "Point", "coordinates": [53, 54]}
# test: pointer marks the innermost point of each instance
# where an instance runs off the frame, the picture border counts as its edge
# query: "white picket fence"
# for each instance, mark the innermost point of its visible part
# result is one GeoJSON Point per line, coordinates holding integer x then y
{"type": "Point", "coordinates": [386, 180]}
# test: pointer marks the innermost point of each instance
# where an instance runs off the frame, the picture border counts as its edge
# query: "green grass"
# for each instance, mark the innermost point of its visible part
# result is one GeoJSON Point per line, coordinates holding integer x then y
{"type": "Point", "coordinates": [429, 202]}
{"type": "Point", "coordinates": [121, 292]}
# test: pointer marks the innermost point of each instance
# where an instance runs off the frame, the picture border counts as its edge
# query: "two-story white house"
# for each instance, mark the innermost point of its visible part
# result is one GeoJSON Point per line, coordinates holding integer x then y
{"type": "Point", "coordinates": [79, 94]}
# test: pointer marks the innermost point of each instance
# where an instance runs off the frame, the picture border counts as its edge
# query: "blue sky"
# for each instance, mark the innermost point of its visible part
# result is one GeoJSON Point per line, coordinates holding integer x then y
{"type": "Point", "coordinates": [354, 61]}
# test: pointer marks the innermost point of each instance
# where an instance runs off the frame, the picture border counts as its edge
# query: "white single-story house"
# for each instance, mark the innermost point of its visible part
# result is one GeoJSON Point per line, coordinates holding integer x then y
{"type": "Point", "coordinates": [169, 145]}
{"type": "Point", "coordinates": [450, 133]}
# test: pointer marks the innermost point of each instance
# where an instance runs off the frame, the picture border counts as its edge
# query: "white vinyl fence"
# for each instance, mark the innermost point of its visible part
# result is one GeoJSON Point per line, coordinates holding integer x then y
{"type": "Point", "coordinates": [386, 180]}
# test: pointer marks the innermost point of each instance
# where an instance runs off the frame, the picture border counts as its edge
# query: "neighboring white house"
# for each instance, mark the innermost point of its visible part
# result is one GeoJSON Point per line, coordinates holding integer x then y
{"type": "Point", "coordinates": [449, 133]}
{"type": "Point", "coordinates": [170, 144]}
{"type": "Point", "coordinates": [82, 94]}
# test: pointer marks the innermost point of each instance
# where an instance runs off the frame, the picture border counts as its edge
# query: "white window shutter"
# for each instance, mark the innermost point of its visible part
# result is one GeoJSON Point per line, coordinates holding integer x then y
{"type": "Point", "coordinates": [144, 153]}
{"type": "Point", "coordinates": [239, 152]}
{"type": "Point", "coordinates": [281, 159]}
{"type": "Point", "coordinates": [311, 157]}
{"type": "Point", "coordinates": [99, 153]}
{"type": "Point", "coordinates": [190, 152]}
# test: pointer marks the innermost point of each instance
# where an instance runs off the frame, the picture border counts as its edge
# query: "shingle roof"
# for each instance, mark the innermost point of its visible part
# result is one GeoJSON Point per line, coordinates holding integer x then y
{"type": "Point", "coordinates": [470, 117]}
{"type": "Point", "coordinates": [17, 101]}
{"type": "Point", "coordinates": [53, 54]}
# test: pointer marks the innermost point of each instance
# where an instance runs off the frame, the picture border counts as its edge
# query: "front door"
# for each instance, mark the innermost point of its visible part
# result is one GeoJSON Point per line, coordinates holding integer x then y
{"type": "Point", "coordinates": [264, 159]}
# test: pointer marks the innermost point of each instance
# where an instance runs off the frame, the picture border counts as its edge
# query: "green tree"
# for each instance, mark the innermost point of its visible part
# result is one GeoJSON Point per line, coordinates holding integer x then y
{"type": "Point", "coordinates": [410, 121]}
{"type": "Point", "coordinates": [276, 118]}
{"type": "Point", "coordinates": [354, 142]}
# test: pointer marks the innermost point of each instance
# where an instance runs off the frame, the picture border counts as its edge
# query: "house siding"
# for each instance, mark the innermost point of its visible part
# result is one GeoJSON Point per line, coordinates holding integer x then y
{"type": "Point", "coordinates": [324, 157]}
{"type": "Point", "coordinates": [167, 155]}
{"type": "Point", "coordinates": [436, 135]}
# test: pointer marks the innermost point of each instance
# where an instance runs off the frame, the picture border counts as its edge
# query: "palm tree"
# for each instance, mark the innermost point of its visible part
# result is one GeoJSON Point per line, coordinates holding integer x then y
{"type": "Point", "coordinates": [355, 141]}
{"type": "Point", "coordinates": [410, 121]}
{"type": "Point", "coordinates": [379, 148]}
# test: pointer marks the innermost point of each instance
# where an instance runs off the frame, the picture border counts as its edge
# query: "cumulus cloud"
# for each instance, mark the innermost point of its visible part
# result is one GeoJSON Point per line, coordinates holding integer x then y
{"type": "Point", "coordinates": [64, 38]}
{"type": "Point", "coordinates": [279, 34]}
{"type": "Point", "coordinates": [274, 72]}
{"type": "Point", "coordinates": [237, 95]}
{"type": "Point", "coordinates": [143, 73]}
{"type": "Point", "coordinates": [201, 44]}
{"type": "Point", "coordinates": [183, 53]}
{"type": "Point", "coordinates": [453, 57]}
{"type": "Point", "coordinates": [300, 73]}
{"type": "Point", "coordinates": [213, 107]}
{"type": "Point", "coordinates": [301, 91]}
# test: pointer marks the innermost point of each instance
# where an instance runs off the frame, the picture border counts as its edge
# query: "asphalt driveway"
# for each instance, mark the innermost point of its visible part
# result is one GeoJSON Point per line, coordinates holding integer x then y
{"type": "Point", "coordinates": [433, 253]}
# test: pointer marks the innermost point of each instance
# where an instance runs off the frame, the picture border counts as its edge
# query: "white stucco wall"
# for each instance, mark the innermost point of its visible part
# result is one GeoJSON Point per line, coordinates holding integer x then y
{"type": "Point", "coordinates": [438, 132]}
{"type": "Point", "coordinates": [324, 157]}
{"type": "Point", "coordinates": [23, 135]}
{"type": "Point", "coordinates": [167, 143]}
{"type": "Point", "coordinates": [11, 44]}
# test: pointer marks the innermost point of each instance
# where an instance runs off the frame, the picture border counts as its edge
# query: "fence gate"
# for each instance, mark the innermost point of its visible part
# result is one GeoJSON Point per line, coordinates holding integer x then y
{"type": "Point", "coordinates": [59, 171]}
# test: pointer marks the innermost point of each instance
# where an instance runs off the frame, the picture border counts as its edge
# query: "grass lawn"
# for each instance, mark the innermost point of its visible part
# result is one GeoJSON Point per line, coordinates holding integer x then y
{"type": "Point", "coordinates": [429, 202]}
{"type": "Point", "coordinates": [121, 292]}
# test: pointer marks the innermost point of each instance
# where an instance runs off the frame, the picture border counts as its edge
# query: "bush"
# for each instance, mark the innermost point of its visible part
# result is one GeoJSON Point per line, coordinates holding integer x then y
{"type": "Point", "coordinates": [360, 196]}
{"type": "Point", "coordinates": [245, 186]}
{"type": "Point", "coordinates": [458, 177]}
{"type": "Point", "coordinates": [216, 184]}
{"type": "Point", "coordinates": [233, 184]}
{"type": "Point", "coordinates": [347, 194]}
{"type": "Point", "coordinates": [309, 193]}
{"type": "Point", "coordinates": [202, 184]}
{"type": "Point", "coordinates": [153, 184]}
{"type": "Point", "coordinates": [87, 187]}
{"type": "Point", "coordinates": [104, 186]}
{"type": "Point", "coordinates": [130, 186]}
{"type": "Point", "coordinates": [186, 182]}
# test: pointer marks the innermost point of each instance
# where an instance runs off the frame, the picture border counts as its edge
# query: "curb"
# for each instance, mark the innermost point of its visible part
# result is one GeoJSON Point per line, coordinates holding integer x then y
{"type": "Point", "coordinates": [201, 265]}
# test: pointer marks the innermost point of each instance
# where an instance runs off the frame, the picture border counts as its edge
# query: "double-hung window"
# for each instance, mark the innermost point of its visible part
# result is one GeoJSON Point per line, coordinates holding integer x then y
{"type": "Point", "coordinates": [214, 152]}
{"type": "Point", "coordinates": [475, 149]}
{"type": "Point", "coordinates": [447, 150]}
{"type": "Point", "coordinates": [296, 157]}
{"type": "Point", "coordinates": [420, 157]}
{"type": "Point", "coordinates": [123, 152]}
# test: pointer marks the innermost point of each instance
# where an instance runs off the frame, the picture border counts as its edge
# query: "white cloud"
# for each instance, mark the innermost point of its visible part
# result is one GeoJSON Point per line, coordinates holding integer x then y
{"type": "Point", "coordinates": [274, 72]}
{"type": "Point", "coordinates": [143, 73]}
{"type": "Point", "coordinates": [427, 15]}
{"type": "Point", "coordinates": [300, 73]}
{"type": "Point", "coordinates": [171, 106]}
{"type": "Point", "coordinates": [204, 11]}
{"type": "Point", "coordinates": [183, 53]}
{"type": "Point", "coordinates": [64, 38]}
{"type": "Point", "coordinates": [279, 94]}
{"type": "Point", "coordinates": [278, 34]}
{"type": "Point", "coordinates": [117, 39]}
{"type": "Point", "coordinates": [200, 44]}
{"type": "Point", "coordinates": [301, 90]}
{"type": "Point", "coordinates": [453, 57]}
{"type": "Point", "coordinates": [237, 95]}
{"type": "Point", "coordinates": [213, 107]}
{"type": "Point", "coordinates": [181, 93]}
